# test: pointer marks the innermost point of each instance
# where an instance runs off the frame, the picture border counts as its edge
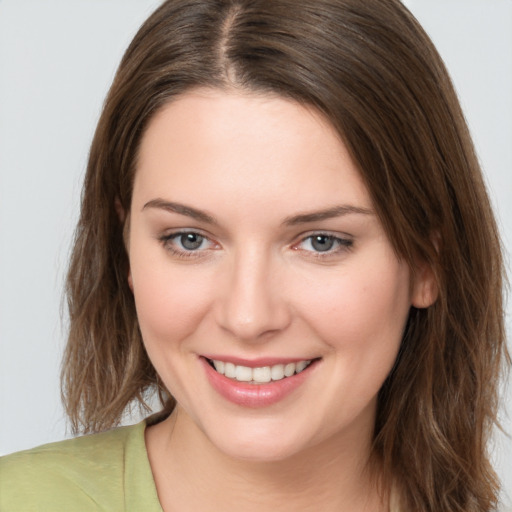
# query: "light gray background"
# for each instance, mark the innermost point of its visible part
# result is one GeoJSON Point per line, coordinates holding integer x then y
{"type": "Point", "coordinates": [57, 59]}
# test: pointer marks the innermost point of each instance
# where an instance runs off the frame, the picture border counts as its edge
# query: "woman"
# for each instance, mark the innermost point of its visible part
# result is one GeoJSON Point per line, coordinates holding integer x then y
{"type": "Point", "coordinates": [285, 232]}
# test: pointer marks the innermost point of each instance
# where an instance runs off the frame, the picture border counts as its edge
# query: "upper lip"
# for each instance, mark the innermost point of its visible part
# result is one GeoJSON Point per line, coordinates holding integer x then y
{"type": "Point", "coordinates": [258, 362]}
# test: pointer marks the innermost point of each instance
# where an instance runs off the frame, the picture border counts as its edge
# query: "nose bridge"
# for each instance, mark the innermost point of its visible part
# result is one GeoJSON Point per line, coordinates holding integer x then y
{"type": "Point", "coordinates": [252, 303]}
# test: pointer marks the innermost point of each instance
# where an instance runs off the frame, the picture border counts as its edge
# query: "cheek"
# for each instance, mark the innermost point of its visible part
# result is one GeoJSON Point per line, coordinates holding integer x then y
{"type": "Point", "coordinates": [361, 309]}
{"type": "Point", "coordinates": [170, 302]}
{"type": "Point", "coordinates": [360, 315]}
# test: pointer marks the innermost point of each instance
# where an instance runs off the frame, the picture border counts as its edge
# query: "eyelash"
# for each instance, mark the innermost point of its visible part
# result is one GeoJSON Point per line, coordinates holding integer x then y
{"type": "Point", "coordinates": [167, 242]}
{"type": "Point", "coordinates": [341, 244]}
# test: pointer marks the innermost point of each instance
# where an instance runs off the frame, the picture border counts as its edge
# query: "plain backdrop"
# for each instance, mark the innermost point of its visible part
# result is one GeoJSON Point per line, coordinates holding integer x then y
{"type": "Point", "coordinates": [57, 59]}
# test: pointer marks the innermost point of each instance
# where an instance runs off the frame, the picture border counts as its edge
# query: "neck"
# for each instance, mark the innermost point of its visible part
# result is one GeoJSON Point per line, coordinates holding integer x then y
{"type": "Point", "coordinates": [192, 474]}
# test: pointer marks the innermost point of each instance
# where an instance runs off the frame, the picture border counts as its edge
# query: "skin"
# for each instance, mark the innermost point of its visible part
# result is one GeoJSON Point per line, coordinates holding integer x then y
{"type": "Point", "coordinates": [257, 287]}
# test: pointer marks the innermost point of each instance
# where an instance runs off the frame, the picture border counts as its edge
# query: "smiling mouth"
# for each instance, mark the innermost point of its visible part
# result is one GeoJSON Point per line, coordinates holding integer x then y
{"type": "Point", "coordinates": [261, 375]}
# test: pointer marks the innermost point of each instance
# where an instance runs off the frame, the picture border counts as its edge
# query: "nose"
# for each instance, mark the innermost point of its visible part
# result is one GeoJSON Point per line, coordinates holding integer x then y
{"type": "Point", "coordinates": [252, 304]}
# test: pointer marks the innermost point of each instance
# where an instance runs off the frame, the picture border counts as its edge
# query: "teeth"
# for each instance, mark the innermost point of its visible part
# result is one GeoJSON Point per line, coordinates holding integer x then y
{"type": "Point", "coordinates": [229, 370]}
{"type": "Point", "coordinates": [301, 365]}
{"type": "Point", "coordinates": [260, 375]}
{"type": "Point", "coordinates": [243, 374]}
{"type": "Point", "coordinates": [289, 369]}
{"type": "Point", "coordinates": [219, 366]}
{"type": "Point", "coordinates": [277, 372]}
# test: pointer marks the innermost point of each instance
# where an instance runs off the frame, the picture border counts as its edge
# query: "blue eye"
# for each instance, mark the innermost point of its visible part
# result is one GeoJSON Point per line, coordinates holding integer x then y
{"type": "Point", "coordinates": [324, 243]}
{"type": "Point", "coordinates": [187, 243]}
{"type": "Point", "coordinates": [190, 241]}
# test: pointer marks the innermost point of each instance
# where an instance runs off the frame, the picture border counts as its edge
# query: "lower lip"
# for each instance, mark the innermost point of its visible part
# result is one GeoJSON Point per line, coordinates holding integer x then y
{"type": "Point", "coordinates": [255, 395]}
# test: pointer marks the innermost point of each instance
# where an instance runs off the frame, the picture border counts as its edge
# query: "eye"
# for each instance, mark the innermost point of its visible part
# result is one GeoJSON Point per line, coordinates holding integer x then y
{"type": "Point", "coordinates": [187, 244]}
{"type": "Point", "coordinates": [190, 241]}
{"type": "Point", "coordinates": [322, 243]}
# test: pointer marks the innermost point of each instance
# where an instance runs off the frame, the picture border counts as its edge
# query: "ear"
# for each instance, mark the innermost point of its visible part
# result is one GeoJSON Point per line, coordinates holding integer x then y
{"type": "Point", "coordinates": [121, 214]}
{"type": "Point", "coordinates": [424, 286]}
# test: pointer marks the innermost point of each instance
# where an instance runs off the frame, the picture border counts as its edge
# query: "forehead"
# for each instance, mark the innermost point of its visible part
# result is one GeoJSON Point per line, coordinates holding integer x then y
{"type": "Point", "coordinates": [243, 145]}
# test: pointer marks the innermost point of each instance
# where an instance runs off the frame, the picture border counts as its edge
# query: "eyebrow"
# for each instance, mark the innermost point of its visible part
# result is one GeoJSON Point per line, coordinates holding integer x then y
{"type": "Point", "coordinates": [301, 218]}
{"type": "Point", "coordinates": [181, 209]}
{"type": "Point", "coordinates": [329, 213]}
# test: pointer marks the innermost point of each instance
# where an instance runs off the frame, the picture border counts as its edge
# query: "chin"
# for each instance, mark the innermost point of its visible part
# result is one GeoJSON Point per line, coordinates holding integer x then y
{"type": "Point", "coordinates": [260, 442]}
{"type": "Point", "coordinates": [265, 450]}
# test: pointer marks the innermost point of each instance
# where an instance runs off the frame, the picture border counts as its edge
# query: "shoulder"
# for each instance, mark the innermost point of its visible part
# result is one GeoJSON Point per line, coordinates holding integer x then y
{"type": "Point", "coordinates": [86, 473]}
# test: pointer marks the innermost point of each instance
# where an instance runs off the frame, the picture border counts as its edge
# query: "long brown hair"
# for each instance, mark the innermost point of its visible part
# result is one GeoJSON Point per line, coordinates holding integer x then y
{"type": "Point", "coordinates": [373, 72]}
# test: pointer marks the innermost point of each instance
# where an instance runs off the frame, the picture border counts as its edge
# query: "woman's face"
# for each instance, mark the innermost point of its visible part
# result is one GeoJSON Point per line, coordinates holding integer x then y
{"type": "Point", "coordinates": [254, 247]}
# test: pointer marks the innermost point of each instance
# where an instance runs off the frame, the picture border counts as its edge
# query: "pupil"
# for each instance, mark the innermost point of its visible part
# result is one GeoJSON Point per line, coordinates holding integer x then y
{"type": "Point", "coordinates": [322, 243]}
{"type": "Point", "coordinates": [191, 241]}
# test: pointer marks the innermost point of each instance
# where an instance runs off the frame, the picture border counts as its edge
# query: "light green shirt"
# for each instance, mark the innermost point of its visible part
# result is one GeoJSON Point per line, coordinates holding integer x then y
{"type": "Point", "coordinates": [102, 472]}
